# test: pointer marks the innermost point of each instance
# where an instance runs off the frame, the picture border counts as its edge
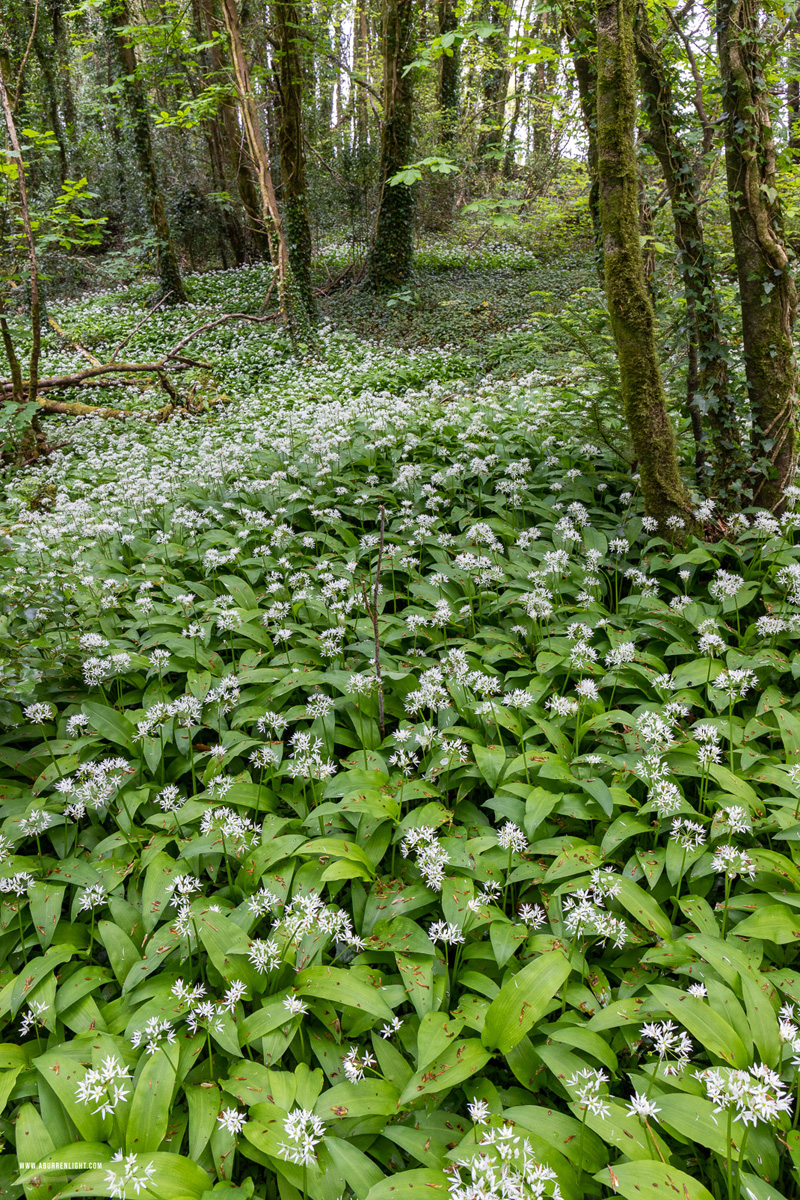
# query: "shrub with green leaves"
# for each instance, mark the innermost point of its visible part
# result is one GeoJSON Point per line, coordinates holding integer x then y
{"type": "Point", "coordinates": [389, 809]}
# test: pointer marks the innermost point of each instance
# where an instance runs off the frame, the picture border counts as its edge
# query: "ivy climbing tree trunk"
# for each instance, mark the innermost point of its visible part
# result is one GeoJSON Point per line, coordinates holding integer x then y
{"type": "Point", "coordinates": [136, 104]}
{"type": "Point", "coordinates": [766, 284]}
{"type": "Point", "coordinates": [708, 391]}
{"type": "Point", "coordinates": [632, 320]}
{"type": "Point", "coordinates": [293, 156]}
{"type": "Point", "coordinates": [393, 248]}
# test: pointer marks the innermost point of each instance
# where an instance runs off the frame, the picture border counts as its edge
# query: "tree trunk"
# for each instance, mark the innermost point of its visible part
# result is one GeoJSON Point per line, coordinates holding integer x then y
{"type": "Point", "coordinates": [361, 66]}
{"type": "Point", "coordinates": [233, 139]}
{"type": "Point", "coordinates": [793, 93]}
{"type": "Point", "coordinates": [710, 393]}
{"type": "Point", "coordinates": [583, 49]}
{"type": "Point", "coordinates": [279, 251]}
{"type": "Point", "coordinates": [293, 155]}
{"type": "Point", "coordinates": [136, 102]}
{"type": "Point", "coordinates": [449, 75]}
{"type": "Point", "coordinates": [393, 249]}
{"type": "Point", "coordinates": [632, 320]}
{"type": "Point", "coordinates": [766, 285]}
{"type": "Point", "coordinates": [495, 89]}
{"type": "Point", "coordinates": [45, 58]}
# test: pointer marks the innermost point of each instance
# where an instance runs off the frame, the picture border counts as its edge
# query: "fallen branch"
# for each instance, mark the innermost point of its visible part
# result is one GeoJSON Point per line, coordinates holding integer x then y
{"type": "Point", "coordinates": [75, 409]}
{"type": "Point", "coordinates": [173, 359]}
{"type": "Point", "coordinates": [53, 323]}
{"type": "Point", "coordinates": [144, 319]}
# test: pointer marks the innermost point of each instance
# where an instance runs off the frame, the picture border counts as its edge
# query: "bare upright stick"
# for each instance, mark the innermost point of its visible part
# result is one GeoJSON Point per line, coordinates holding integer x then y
{"type": "Point", "coordinates": [26, 224]}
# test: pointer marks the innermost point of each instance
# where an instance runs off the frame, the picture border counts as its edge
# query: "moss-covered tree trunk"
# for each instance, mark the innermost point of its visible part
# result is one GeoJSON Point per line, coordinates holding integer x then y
{"type": "Point", "coordinates": [392, 254]}
{"type": "Point", "coordinates": [708, 391]}
{"type": "Point", "coordinates": [766, 283]}
{"type": "Point", "coordinates": [136, 104]}
{"type": "Point", "coordinates": [632, 320]}
{"type": "Point", "coordinates": [292, 148]}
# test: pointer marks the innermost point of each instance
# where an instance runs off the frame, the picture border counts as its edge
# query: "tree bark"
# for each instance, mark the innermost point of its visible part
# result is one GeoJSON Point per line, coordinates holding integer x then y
{"type": "Point", "coordinates": [33, 266]}
{"type": "Point", "coordinates": [136, 102]}
{"type": "Point", "coordinates": [271, 218]}
{"type": "Point", "coordinates": [234, 140]}
{"type": "Point", "coordinates": [583, 49]}
{"type": "Point", "coordinates": [766, 284]}
{"type": "Point", "coordinates": [793, 93]}
{"type": "Point", "coordinates": [292, 148]}
{"type": "Point", "coordinates": [393, 248]}
{"type": "Point", "coordinates": [632, 320]}
{"type": "Point", "coordinates": [495, 90]}
{"type": "Point", "coordinates": [709, 392]}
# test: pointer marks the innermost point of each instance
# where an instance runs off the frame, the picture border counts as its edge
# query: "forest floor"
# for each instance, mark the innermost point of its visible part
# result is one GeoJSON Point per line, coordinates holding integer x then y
{"type": "Point", "coordinates": [364, 747]}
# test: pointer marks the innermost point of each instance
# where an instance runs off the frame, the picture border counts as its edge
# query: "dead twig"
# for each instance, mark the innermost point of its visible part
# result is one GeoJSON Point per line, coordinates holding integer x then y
{"type": "Point", "coordinates": [136, 328]}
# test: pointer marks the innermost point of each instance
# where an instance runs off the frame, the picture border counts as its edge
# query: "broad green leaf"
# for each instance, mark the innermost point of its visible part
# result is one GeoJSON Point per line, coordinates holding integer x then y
{"type": "Point", "coordinates": [343, 989]}
{"type": "Point", "coordinates": [422, 1184]}
{"type": "Point", "coordinates": [523, 1000]}
{"type": "Point", "coordinates": [459, 1062]}
{"type": "Point", "coordinates": [110, 724]}
{"type": "Point", "coordinates": [152, 1101]}
{"type": "Point", "coordinates": [633, 1180]}
{"type": "Point", "coordinates": [713, 1032]}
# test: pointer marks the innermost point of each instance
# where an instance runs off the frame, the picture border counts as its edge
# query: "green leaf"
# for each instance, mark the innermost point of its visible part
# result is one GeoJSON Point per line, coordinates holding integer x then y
{"type": "Point", "coordinates": [774, 923]}
{"type": "Point", "coordinates": [367, 1098]}
{"type": "Point", "coordinates": [634, 1180]}
{"type": "Point", "coordinates": [172, 1176]}
{"type": "Point", "coordinates": [490, 761]}
{"type": "Point", "coordinates": [523, 1000]}
{"type": "Point", "coordinates": [459, 1062]}
{"type": "Point", "coordinates": [643, 906]}
{"type": "Point", "coordinates": [422, 1184]}
{"type": "Point", "coordinates": [152, 1101]}
{"type": "Point", "coordinates": [703, 1023]}
{"type": "Point", "coordinates": [343, 989]}
{"type": "Point", "coordinates": [110, 724]}
{"type": "Point", "coordinates": [122, 950]}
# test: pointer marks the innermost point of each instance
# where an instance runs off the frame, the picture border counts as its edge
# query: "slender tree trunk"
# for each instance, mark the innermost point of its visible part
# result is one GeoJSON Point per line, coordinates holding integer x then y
{"type": "Point", "coordinates": [709, 392]}
{"type": "Point", "coordinates": [793, 93]}
{"type": "Point", "coordinates": [449, 75]}
{"type": "Point", "coordinates": [136, 102]}
{"type": "Point", "coordinates": [632, 320]}
{"type": "Point", "coordinates": [495, 90]}
{"type": "Point", "coordinates": [292, 148]}
{"type": "Point", "coordinates": [230, 225]}
{"type": "Point", "coordinates": [234, 141]}
{"type": "Point", "coordinates": [766, 284]}
{"type": "Point", "coordinates": [583, 49]}
{"type": "Point", "coordinates": [62, 50]}
{"type": "Point", "coordinates": [443, 187]}
{"type": "Point", "coordinates": [361, 65]}
{"type": "Point", "coordinates": [393, 249]}
{"type": "Point", "coordinates": [279, 251]}
{"type": "Point", "coordinates": [44, 56]}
